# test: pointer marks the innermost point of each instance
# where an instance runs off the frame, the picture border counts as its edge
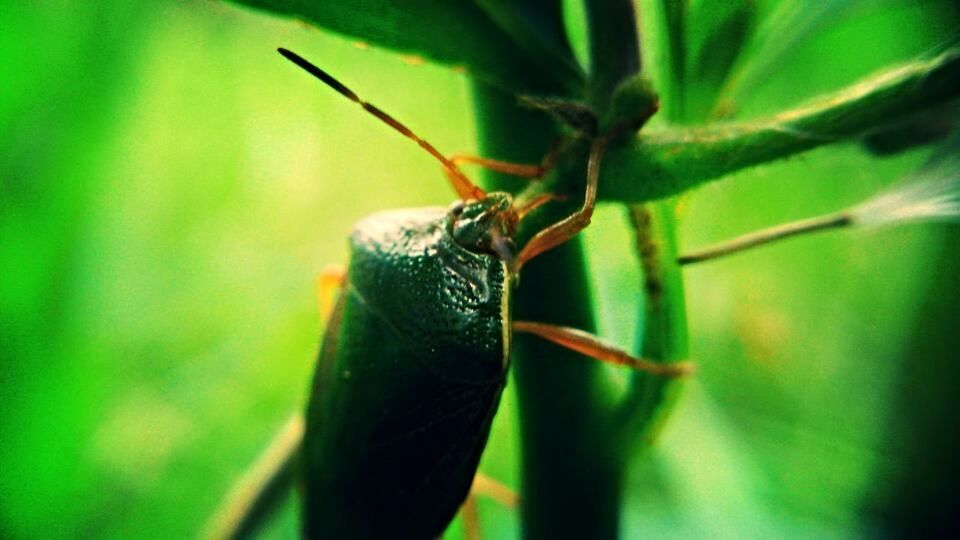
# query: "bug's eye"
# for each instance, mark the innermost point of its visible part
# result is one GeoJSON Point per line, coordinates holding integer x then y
{"type": "Point", "coordinates": [457, 208]}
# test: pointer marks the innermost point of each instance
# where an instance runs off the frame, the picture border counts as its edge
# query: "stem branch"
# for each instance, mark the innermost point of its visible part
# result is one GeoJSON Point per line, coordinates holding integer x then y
{"type": "Point", "coordinates": [766, 236]}
{"type": "Point", "coordinates": [677, 159]}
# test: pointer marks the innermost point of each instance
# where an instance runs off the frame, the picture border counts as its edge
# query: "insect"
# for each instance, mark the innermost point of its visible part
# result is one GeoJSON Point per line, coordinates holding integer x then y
{"type": "Point", "coordinates": [415, 355]}
{"type": "Point", "coordinates": [416, 351]}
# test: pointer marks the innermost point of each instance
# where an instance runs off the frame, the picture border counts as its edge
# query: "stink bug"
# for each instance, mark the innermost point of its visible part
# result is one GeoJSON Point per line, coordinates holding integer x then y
{"type": "Point", "coordinates": [416, 350]}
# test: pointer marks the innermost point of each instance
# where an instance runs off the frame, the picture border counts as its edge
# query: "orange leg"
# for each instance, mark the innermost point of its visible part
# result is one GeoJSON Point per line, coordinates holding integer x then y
{"type": "Point", "coordinates": [522, 170]}
{"type": "Point", "coordinates": [329, 282]}
{"type": "Point", "coordinates": [484, 485]}
{"type": "Point", "coordinates": [534, 203]}
{"type": "Point", "coordinates": [261, 489]}
{"type": "Point", "coordinates": [471, 519]}
{"type": "Point", "coordinates": [567, 228]}
{"type": "Point", "coordinates": [590, 345]}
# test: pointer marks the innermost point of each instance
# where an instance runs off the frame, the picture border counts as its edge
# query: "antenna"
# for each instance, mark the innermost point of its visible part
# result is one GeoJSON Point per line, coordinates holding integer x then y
{"type": "Point", "coordinates": [461, 184]}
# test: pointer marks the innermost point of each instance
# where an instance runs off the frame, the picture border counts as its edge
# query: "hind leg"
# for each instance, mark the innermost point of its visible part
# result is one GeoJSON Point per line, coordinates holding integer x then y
{"type": "Point", "coordinates": [485, 486]}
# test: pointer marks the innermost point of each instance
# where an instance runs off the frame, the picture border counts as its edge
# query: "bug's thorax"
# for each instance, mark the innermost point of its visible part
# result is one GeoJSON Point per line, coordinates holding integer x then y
{"type": "Point", "coordinates": [486, 225]}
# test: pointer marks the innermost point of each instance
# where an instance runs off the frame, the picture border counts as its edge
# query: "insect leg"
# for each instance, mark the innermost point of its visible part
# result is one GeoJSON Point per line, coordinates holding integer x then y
{"type": "Point", "coordinates": [568, 227]}
{"type": "Point", "coordinates": [258, 493]}
{"type": "Point", "coordinates": [486, 486]}
{"type": "Point", "coordinates": [590, 345]}
{"type": "Point", "coordinates": [329, 282]}
{"type": "Point", "coordinates": [523, 170]}
{"type": "Point", "coordinates": [471, 518]}
{"type": "Point", "coordinates": [529, 206]}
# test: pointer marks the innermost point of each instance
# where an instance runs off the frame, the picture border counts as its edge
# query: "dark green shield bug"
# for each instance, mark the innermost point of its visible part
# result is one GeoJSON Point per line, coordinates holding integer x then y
{"type": "Point", "coordinates": [409, 377]}
{"type": "Point", "coordinates": [415, 355]}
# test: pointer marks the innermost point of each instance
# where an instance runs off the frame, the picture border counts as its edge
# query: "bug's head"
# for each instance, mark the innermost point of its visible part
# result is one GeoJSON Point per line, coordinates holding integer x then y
{"type": "Point", "coordinates": [485, 225]}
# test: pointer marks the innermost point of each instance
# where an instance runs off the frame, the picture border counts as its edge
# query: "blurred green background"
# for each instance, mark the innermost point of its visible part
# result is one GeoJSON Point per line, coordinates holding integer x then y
{"type": "Point", "coordinates": [171, 186]}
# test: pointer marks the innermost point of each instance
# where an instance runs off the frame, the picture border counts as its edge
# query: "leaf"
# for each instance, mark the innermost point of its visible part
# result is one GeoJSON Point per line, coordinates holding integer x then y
{"type": "Point", "coordinates": [719, 33]}
{"type": "Point", "coordinates": [780, 33]}
{"type": "Point", "coordinates": [458, 34]}
{"type": "Point", "coordinates": [537, 27]}
{"type": "Point", "coordinates": [925, 128]}
{"type": "Point", "coordinates": [675, 14]}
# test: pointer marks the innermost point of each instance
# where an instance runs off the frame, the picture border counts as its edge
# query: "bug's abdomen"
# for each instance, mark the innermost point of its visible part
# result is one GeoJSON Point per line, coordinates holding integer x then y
{"type": "Point", "coordinates": [391, 447]}
{"type": "Point", "coordinates": [409, 378]}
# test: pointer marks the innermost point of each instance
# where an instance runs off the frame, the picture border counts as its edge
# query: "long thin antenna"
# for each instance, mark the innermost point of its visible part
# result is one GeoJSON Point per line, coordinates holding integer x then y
{"type": "Point", "coordinates": [461, 184]}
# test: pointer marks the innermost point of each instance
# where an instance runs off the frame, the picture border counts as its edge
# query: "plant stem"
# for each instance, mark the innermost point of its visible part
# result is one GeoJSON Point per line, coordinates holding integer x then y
{"type": "Point", "coordinates": [614, 49]}
{"type": "Point", "coordinates": [677, 159]}
{"type": "Point", "coordinates": [571, 488]}
{"type": "Point", "coordinates": [663, 325]}
{"type": "Point", "coordinates": [561, 396]}
{"type": "Point", "coordinates": [572, 479]}
{"type": "Point", "coordinates": [674, 23]}
{"type": "Point", "coordinates": [663, 322]}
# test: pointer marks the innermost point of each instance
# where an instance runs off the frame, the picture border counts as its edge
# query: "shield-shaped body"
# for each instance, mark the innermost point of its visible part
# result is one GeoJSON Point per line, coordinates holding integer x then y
{"type": "Point", "coordinates": [410, 374]}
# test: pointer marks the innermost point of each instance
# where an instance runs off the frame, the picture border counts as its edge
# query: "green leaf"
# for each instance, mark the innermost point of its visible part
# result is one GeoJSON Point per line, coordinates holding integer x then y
{"type": "Point", "coordinates": [719, 33]}
{"type": "Point", "coordinates": [787, 26]}
{"type": "Point", "coordinates": [458, 34]}
{"type": "Point", "coordinates": [664, 45]}
{"type": "Point", "coordinates": [921, 129]}
{"type": "Point", "coordinates": [537, 28]}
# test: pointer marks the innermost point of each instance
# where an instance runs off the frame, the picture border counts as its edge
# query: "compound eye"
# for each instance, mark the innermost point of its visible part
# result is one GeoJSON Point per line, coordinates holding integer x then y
{"type": "Point", "coordinates": [457, 208]}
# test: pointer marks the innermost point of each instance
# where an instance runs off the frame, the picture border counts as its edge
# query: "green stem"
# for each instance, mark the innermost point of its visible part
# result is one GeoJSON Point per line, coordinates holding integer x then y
{"type": "Point", "coordinates": [674, 24]}
{"type": "Point", "coordinates": [572, 477]}
{"type": "Point", "coordinates": [561, 396]}
{"type": "Point", "coordinates": [677, 159]}
{"type": "Point", "coordinates": [564, 412]}
{"type": "Point", "coordinates": [614, 49]}
{"type": "Point", "coordinates": [663, 325]}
